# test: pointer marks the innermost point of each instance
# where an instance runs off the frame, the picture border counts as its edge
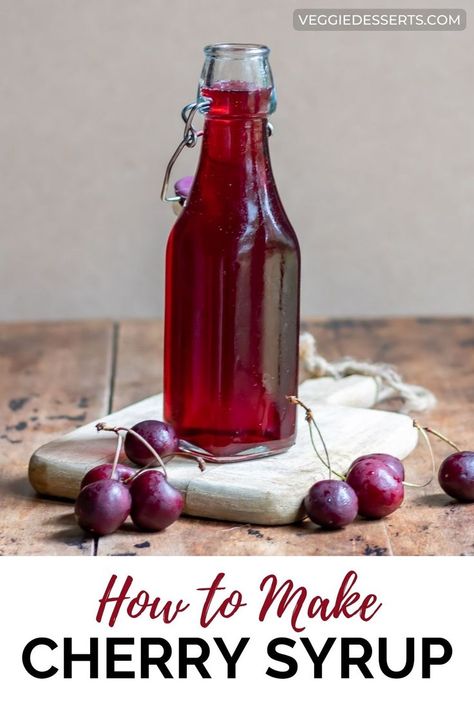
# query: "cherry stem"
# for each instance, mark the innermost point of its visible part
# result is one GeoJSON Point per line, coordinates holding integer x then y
{"type": "Point", "coordinates": [309, 417]}
{"type": "Point", "coordinates": [103, 427]}
{"type": "Point", "coordinates": [422, 431]}
{"type": "Point", "coordinates": [437, 434]}
{"type": "Point", "coordinates": [118, 449]}
{"type": "Point", "coordinates": [197, 458]}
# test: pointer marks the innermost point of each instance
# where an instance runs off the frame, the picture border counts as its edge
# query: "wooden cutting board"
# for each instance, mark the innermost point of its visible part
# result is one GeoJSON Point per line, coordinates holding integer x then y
{"type": "Point", "coordinates": [262, 491]}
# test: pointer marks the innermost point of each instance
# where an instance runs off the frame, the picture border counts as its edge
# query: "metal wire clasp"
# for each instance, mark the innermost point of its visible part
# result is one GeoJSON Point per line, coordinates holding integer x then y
{"type": "Point", "coordinates": [190, 136]}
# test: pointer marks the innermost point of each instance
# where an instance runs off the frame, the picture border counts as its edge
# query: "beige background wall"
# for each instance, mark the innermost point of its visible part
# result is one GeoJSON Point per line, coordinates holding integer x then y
{"type": "Point", "coordinates": [373, 152]}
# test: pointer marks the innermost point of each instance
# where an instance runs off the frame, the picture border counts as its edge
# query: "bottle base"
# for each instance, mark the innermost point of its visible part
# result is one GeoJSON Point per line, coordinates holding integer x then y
{"type": "Point", "coordinates": [244, 452]}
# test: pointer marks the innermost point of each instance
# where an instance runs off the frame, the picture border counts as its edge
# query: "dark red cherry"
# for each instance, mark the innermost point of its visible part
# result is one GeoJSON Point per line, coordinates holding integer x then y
{"type": "Point", "coordinates": [456, 476]}
{"type": "Point", "coordinates": [160, 435]}
{"type": "Point", "coordinates": [102, 506]}
{"type": "Point", "coordinates": [331, 503]}
{"type": "Point", "coordinates": [379, 489]}
{"type": "Point", "coordinates": [156, 504]}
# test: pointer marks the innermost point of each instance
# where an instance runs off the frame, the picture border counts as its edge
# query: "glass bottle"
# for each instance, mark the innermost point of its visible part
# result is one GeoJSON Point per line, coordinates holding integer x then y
{"type": "Point", "coordinates": [232, 277]}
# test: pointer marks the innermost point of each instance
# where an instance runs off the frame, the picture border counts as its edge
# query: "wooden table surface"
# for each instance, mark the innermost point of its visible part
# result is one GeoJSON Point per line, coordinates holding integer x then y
{"type": "Point", "coordinates": [57, 376]}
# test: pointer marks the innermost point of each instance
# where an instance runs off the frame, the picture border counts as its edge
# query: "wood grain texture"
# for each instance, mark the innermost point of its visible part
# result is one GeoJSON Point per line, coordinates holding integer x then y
{"type": "Point", "coordinates": [53, 376]}
{"type": "Point", "coordinates": [438, 353]}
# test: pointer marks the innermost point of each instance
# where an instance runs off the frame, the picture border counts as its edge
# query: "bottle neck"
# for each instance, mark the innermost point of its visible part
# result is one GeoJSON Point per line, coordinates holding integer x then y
{"type": "Point", "coordinates": [234, 156]}
{"type": "Point", "coordinates": [234, 166]}
{"type": "Point", "coordinates": [240, 144]}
